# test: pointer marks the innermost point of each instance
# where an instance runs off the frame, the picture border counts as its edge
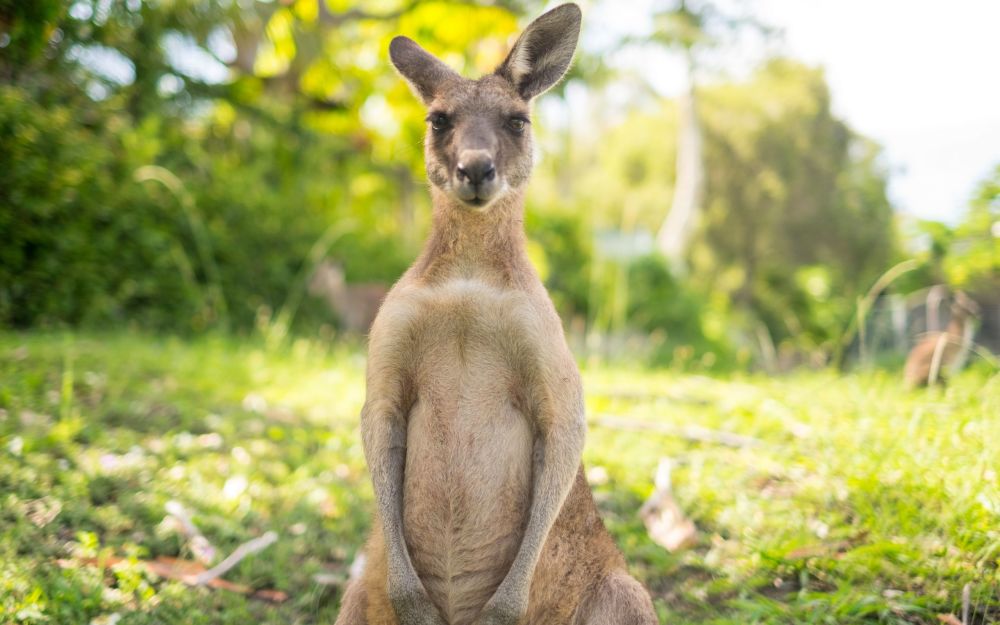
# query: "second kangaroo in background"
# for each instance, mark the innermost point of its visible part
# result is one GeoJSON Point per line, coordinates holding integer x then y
{"type": "Point", "coordinates": [354, 304]}
{"type": "Point", "coordinates": [473, 425]}
{"type": "Point", "coordinates": [937, 352]}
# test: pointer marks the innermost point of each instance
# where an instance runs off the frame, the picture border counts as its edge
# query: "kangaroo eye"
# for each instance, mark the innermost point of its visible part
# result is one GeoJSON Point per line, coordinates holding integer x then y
{"type": "Point", "coordinates": [439, 121]}
{"type": "Point", "coordinates": [517, 124]}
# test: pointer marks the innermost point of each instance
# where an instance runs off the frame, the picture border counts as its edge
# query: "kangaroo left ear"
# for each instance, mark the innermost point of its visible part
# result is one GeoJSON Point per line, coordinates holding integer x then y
{"type": "Point", "coordinates": [425, 73]}
{"type": "Point", "coordinates": [543, 52]}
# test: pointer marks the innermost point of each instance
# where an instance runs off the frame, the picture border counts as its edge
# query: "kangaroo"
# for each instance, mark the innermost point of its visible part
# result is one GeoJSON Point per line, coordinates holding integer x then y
{"type": "Point", "coordinates": [355, 304]}
{"type": "Point", "coordinates": [940, 350]}
{"type": "Point", "coordinates": [473, 424]}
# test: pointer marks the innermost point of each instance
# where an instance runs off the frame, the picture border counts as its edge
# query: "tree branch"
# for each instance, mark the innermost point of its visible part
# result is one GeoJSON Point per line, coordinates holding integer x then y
{"type": "Point", "coordinates": [336, 19]}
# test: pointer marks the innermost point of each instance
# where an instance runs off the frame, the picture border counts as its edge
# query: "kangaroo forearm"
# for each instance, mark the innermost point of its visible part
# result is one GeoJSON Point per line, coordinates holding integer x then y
{"type": "Point", "coordinates": [383, 433]}
{"type": "Point", "coordinates": [384, 439]}
{"type": "Point", "coordinates": [555, 470]}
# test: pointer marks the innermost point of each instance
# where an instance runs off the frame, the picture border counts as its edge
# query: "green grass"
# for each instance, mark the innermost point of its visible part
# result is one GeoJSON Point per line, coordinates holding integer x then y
{"type": "Point", "coordinates": [861, 504]}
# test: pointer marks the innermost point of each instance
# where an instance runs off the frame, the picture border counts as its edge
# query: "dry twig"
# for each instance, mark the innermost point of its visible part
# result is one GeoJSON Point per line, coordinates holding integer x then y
{"type": "Point", "coordinates": [244, 550]}
{"type": "Point", "coordinates": [688, 432]}
{"type": "Point", "coordinates": [202, 549]}
{"type": "Point", "coordinates": [966, 600]}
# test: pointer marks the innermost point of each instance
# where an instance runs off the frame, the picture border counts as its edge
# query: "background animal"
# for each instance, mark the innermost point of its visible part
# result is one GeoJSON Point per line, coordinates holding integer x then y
{"type": "Point", "coordinates": [937, 352]}
{"type": "Point", "coordinates": [355, 305]}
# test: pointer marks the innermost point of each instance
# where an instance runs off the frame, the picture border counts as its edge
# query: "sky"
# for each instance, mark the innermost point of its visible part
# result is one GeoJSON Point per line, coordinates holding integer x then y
{"type": "Point", "coordinates": [922, 78]}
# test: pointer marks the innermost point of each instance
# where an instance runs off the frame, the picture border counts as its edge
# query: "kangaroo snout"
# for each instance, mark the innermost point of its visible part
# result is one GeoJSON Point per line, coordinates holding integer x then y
{"type": "Point", "coordinates": [476, 167]}
{"type": "Point", "coordinates": [476, 177]}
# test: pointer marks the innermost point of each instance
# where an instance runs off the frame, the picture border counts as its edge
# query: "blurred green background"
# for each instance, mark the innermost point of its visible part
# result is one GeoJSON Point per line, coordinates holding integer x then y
{"type": "Point", "coordinates": [198, 198]}
{"type": "Point", "coordinates": [183, 166]}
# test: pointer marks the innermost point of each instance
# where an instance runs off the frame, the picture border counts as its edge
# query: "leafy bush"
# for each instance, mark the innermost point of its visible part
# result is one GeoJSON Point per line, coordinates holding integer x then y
{"type": "Point", "coordinates": [85, 243]}
{"type": "Point", "coordinates": [668, 309]}
{"type": "Point", "coordinates": [563, 242]}
{"type": "Point", "coordinates": [80, 242]}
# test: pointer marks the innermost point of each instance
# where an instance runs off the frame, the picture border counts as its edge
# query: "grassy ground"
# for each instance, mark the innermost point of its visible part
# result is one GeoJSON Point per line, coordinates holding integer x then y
{"type": "Point", "coordinates": [860, 504]}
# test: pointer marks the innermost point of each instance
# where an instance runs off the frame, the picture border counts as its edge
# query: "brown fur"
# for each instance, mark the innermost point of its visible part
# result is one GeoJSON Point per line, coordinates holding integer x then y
{"type": "Point", "coordinates": [473, 424]}
{"type": "Point", "coordinates": [920, 361]}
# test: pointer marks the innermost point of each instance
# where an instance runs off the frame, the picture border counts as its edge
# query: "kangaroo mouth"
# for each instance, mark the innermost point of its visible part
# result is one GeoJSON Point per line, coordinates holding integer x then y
{"type": "Point", "coordinates": [478, 196]}
{"type": "Point", "coordinates": [477, 201]}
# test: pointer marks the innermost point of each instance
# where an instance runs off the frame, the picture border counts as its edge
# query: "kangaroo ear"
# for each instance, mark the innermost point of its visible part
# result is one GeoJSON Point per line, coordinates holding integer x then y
{"type": "Point", "coordinates": [543, 52]}
{"type": "Point", "coordinates": [425, 73]}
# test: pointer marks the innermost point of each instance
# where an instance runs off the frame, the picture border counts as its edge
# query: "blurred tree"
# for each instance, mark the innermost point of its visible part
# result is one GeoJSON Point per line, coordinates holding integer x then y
{"type": "Point", "coordinates": [795, 222]}
{"type": "Point", "coordinates": [690, 26]}
{"type": "Point", "coordinates": [796, 219]}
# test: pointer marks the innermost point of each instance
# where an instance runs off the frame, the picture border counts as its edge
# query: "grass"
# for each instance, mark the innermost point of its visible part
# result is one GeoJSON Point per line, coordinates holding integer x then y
{"type": "Point", "coordinates": [861, 504]}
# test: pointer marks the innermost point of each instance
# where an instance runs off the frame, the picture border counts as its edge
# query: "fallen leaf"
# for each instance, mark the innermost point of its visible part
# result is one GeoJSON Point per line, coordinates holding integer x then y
{"type": "Point", "coordinates": [664, 520]}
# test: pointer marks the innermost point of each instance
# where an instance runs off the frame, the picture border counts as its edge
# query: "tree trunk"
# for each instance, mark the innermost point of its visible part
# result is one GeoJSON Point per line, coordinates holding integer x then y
{"type": "Point", "coordinates": [675, 233]}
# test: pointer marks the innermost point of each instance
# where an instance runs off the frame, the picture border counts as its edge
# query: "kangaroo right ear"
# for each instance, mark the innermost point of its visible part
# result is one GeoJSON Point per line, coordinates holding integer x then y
{"type": "Point", "coordinates": [543, 52]}
{"type": "Point", "coordinates": [425, 73]}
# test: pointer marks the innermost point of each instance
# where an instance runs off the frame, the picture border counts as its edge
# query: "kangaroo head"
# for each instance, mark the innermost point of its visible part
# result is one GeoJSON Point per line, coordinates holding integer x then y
{"type": "Point", "coordinates": [328, 277]}
{"type": "Point", "coordinates": [478, 143]}
{"type": "Point", "coordinates": [964, 306]}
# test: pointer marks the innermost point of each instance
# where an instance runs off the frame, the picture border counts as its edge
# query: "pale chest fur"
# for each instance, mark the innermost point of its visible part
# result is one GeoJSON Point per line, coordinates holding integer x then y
{"type": "Point", "coordinates": [467, 480]}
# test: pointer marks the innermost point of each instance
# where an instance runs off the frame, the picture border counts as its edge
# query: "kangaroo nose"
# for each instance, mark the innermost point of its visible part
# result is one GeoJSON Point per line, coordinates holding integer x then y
{"type": "Point", "coordinates": [476, 168]}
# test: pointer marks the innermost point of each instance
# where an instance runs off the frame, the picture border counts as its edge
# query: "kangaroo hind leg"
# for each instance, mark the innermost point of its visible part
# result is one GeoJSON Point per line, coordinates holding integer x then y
{"type": "Point", "coordinates": [354, 604]}
{"type": "Point", "coordinates": [618, 600]}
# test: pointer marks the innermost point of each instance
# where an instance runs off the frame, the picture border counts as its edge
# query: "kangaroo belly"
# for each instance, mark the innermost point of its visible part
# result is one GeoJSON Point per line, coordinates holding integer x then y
{"type": "Point", "coordinates": [467, 482]}
{"type": "Point", "coordinates": [466, 488]}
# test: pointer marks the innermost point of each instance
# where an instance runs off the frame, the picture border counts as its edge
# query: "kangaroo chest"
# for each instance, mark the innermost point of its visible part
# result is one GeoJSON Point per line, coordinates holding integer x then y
{"type": "Point", "coordinates": [467, 481]}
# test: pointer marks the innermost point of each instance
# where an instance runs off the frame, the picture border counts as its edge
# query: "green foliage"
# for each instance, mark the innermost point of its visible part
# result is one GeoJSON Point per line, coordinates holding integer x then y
{"type": "Point", "coordinates": [304, 131]}
{"type": "Point", "coordinates": [674, 315]}
{"type": "Point", "coordinates": [858, 504]}
{"type": "Point", "coordinates": [964, 256]}
{"type": "Point", "coordinates": [79, 242]}
{"type": "Point", "coordinates": [796, 221]}
{"type": "Point", "coordinates": [562, 242]}
{"type": "Point", "coordinates": [795, 225]}
{"type": "Point", "coordinates": [26, 27]}
{"type": "Point", "coordinates": [973, 258]}
{"type": "Point", "coordinates": [659, 301]}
